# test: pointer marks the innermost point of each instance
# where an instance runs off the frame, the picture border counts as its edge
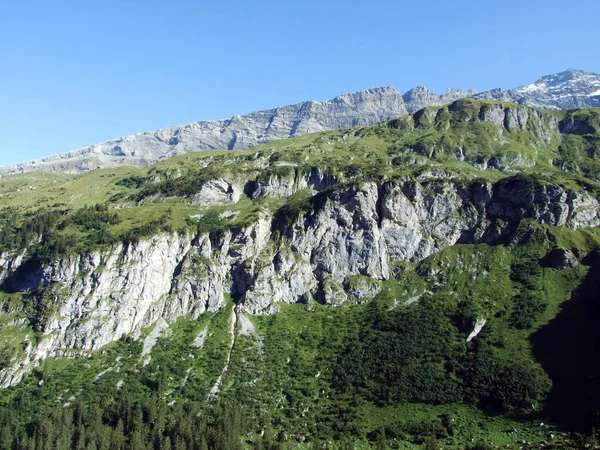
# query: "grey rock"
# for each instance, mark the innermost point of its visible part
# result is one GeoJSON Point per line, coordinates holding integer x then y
{"type": "Point", "coordinates": [421, 97]}
{"type": "Point", "coordinates": [336, 252]}
{"type": "Point", "coordinates": [477, 327]}
{"type": "Point", "coordinates": [238, 132]}
{"type": "Point", "coordinates": [216, 192]}
{"type": "Point", "coordinates": [333, 293]}
{"type": "Point", "coordinates": [560, 259]}
{"type": "Point", "coordinates": [565, 90]}
{"type": "Point", "coordinates": [361, 288]}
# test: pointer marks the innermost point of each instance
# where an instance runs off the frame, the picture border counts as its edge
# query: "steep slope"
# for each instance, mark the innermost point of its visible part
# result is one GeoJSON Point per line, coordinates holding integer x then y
{"type": "Point", "coordinates": [374, 283]}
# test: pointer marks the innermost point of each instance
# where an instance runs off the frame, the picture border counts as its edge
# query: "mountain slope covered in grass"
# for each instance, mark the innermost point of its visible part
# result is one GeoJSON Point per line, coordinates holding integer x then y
{"type": "Point", "coordinates": [423, 281]}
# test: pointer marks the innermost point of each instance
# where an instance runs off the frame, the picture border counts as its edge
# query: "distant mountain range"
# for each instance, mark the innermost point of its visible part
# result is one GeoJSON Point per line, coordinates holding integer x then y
{"type": "Point", "coordinates": [566, 90]}
{"type": "Point", "coordinates": [571, 89]}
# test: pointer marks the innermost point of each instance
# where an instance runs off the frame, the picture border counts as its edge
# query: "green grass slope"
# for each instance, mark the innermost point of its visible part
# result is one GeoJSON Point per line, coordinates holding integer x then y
{"type": "Point", "coordinates": [396, 372]}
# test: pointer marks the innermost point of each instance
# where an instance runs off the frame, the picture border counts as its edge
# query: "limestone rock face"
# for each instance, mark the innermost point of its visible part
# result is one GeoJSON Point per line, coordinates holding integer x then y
{"type": "Point", "coordinates": [337, 251]}
{"type": "Point", "coordinates": [274, 186]}
{"type": "Point", "coordinates": [218, 192]}
{"type": "Point", "coordinates": [238, 132]}
{"type": "Point", "coordinates": [566, 90]}
{"type": "Point", "coordinates": [421, 97]}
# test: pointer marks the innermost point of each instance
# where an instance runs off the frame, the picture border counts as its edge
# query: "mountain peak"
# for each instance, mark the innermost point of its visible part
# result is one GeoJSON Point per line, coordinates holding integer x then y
{"type": "Point", "coordinates": [376, 91]}
{"type": "Point", "coordinates": [570, 89]}
{"type": "Point", "coordinates": [568, 75]}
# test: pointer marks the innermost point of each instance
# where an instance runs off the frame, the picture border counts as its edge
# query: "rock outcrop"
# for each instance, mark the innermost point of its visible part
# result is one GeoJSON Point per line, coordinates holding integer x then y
{"type": "Point", "coordinates": [421, 97]}
{"type": "Point", "coordinates": [565, 90]}
{"type": "Point", "coordinates": [336, 252]}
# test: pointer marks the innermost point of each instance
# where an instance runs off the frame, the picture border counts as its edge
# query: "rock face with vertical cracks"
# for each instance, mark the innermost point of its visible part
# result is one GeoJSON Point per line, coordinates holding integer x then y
{"type": "Point", "coordinates": [318, 253]}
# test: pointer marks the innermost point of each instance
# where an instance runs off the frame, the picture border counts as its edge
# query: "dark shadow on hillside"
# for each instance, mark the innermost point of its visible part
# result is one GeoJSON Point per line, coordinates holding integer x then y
{"type": "Point", "coordinates": [568, 349]}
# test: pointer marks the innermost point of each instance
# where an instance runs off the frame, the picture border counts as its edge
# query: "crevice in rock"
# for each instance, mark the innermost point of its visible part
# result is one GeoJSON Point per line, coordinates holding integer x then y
{"type": "Point", "coordinates": [231, 144]}
{"type": "Point", "coordinates": [178, 268]}
{"type": "Point", "coordinates": [319, 293]}
{"type": "Point", "coordinates": [379, 204]}
{"type": "Point", "coordinates": [25, 278]}
{"type": "Point", "coordinates": [505, 122]}
{"type": "Point", "coordinates": [271, 120]}
{"type": "Point", "coordinates": [294, 128]}
{"type": "Point", "coordinates": [250, 188]}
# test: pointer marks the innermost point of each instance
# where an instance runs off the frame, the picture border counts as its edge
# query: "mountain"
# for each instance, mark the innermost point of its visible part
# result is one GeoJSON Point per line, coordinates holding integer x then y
{"type": "Point", "coordinates": [566, 90]}
{"type": "Point", "coordinates": [421, 97]}
{"type": "Point", "coordinates": [429, 279]}
{"type": "Point", "coordinates": [238, 132]}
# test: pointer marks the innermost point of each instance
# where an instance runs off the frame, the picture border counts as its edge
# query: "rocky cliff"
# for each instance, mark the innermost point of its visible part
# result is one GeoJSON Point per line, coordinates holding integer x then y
{"type": "Point", "coordinates": [336, 253]}
{"type": "Point", "coordinates": [299, 221]}
{"type": "Point", "coordinates": [238, 132]}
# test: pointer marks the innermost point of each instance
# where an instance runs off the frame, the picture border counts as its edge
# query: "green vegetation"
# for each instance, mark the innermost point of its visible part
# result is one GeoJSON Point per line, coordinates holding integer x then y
{"type": "Point", "coordinates": [402, 370]}
{"type": "Point", "coordinates": [450, 141]}
{"type": "Point", "coordinates": [386, 371]}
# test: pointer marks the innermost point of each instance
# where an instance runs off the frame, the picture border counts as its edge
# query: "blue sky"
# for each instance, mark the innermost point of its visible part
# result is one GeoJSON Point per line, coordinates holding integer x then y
{"type": "Point", "coordinates": [74, 73]}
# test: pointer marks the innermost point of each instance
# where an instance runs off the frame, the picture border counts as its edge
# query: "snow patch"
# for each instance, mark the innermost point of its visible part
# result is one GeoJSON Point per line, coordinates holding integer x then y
{"type": "Point", "coordinates": [530, 88]}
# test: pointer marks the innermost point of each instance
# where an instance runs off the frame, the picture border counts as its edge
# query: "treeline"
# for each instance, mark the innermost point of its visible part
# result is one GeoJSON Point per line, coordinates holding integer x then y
{"type": "Point", "coordinates": [148, 229]}
{"type": "Point", "coordinates": [128, 423]}
{"type": "Point", "coordinates": [19, 230]}
{"type": "Point", "coordinates": [42, 228]}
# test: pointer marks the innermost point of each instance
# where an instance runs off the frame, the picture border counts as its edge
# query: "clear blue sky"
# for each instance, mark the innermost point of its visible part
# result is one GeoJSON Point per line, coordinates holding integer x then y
{"type": "Point", "coordinates": [78, 72]}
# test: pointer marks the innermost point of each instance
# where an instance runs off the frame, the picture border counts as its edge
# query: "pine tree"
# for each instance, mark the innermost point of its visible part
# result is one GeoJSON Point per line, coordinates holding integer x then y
{"type": "Point", "coordinates": [117, 438]}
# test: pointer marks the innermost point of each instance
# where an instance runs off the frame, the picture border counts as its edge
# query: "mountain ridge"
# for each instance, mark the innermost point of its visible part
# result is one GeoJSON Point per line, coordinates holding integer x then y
{"type": "Point", "coordinates": [565, 90]}
{"type": "Point", "coordinates": [569, 89]}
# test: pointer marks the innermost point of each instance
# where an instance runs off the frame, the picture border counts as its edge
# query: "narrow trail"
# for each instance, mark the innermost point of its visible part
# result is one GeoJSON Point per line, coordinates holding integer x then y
{"type": "Point", "coordinates": [214, 392]}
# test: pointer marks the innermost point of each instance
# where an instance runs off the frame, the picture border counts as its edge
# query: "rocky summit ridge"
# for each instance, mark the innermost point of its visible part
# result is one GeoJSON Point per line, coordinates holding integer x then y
{"type": "Point", "coordinates": [565, 90]}
{"type": "Point", "coordinates": [570, 89]}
